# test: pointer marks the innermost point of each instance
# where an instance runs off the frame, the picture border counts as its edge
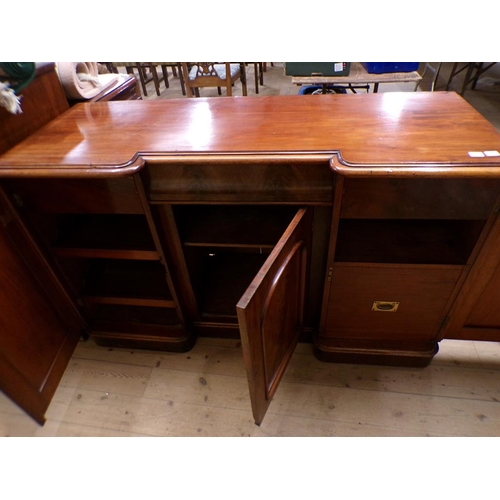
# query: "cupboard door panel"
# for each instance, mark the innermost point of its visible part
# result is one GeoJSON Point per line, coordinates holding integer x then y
{"type": "Point", "coordinates": [475, 313]}
{"type": "Point", "coordinates": [270, 313]}
{"type": "Point", "coordinates": [35, 344]}
{"type": "Point", "coordinates": [486, 310]}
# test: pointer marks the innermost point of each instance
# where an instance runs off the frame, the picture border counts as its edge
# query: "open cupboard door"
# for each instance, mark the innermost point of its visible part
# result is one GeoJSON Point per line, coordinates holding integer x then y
{"type": "Point", "coordinates": [270, 313]}
{"type": "Point", "coordinates": [39, 326]}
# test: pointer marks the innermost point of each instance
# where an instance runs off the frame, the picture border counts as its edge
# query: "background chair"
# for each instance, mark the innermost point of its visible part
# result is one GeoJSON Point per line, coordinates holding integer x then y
{"type": "Point", "coordinates": [147, 72]}
{"type": "Point", "coordinates": [176, 72]}
{"type": "Point", "coordinates": [210, 74]}
{"type": "Point", "coordinates": [433, 70]}
{"type": "Point", "coordinates": [473, 70]}
{"type": "Point", "coordinates": [258, 71]}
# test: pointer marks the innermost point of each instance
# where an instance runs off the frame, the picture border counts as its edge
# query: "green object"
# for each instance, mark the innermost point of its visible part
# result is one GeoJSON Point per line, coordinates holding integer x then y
{"type": "Point", "coordinates": [22, 72]}
{"type": "Point", "coordinates": [317, 68]}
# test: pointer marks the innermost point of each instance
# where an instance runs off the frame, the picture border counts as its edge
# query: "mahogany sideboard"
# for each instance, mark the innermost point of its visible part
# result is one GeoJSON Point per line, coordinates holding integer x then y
{"type": "Point", "coordinates": [366, 224]}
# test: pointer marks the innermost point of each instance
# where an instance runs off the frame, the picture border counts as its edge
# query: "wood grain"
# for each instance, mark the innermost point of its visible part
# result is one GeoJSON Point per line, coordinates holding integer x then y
{"type": "Point", "coordinates": [422, 128]}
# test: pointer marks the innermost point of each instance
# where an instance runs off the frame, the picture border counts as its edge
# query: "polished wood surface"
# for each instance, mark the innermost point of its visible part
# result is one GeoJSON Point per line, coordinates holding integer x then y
{"type": "Point", "coordinates": [232, 152]}
{"type": "Point", "coordinates": [420, 291]}
{"type": "Point", "coordinates": [433, 130]}
{"type": "Point", "coordinates": [475, 313]}
{"type": "Point", "coordinates": [271, 313]}
{"type": "Point", "coordinates": [39, 326]}
{"type": "Point", "coordinates": [252, 179]}
{"type": "Point", "coordinates": [418, 198]}
{"type": "Point", "coordinates": [416, 239]}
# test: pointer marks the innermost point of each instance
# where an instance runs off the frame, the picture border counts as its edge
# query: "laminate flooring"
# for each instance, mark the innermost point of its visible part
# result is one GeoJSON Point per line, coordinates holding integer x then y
{"type": "Point", "coordinates": [119, 392]}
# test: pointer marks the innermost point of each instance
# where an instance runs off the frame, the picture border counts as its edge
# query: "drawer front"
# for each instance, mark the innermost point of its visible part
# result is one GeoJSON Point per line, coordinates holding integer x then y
{"type": "Point", "coordinates": [99, 196]}
{"type": "Point", "coordinates": [419, 198]}
{"type": "Point", "coordinates": [240, 182]}
{"type": "Point", "coordinates": [388, 302]}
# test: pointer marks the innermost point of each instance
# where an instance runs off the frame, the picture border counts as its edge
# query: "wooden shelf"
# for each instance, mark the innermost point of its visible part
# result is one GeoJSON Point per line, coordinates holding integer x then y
{"type": "Point", "coordinates": [99, 253]}
{"type": "Point", "coordinates": [129, 301]}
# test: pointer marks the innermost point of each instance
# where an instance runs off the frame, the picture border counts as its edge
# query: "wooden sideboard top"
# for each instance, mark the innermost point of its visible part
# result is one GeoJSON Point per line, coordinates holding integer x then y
{"type": "Point", "coordinates": [421, 129]}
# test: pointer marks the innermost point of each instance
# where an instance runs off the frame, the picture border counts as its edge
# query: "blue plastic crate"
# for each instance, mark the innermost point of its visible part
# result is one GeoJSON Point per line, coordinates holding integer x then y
{"type": "Point", "coordinates": [390, 67]}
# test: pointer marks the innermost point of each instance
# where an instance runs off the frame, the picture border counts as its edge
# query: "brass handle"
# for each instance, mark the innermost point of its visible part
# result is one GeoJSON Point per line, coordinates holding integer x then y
{"type": "Point", "coordinates": [385, 306]}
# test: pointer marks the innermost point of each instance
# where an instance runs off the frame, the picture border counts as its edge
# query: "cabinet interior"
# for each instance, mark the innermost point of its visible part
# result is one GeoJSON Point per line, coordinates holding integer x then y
{"type": "Point", "coordinates": [106, 231]}
{"type": "Point", "coordinates": [224, 248]}
{"type": "Point", "coordinates": [105, 249]}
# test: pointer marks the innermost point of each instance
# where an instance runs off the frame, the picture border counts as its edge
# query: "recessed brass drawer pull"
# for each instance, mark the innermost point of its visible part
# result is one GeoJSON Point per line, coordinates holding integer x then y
{"type": "Point", "coordinates": [384, 306]}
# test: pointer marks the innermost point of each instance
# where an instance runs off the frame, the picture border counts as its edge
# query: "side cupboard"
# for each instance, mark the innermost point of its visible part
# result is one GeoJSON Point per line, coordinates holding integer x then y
{"type": "Point", "coordinates": [367, 225]}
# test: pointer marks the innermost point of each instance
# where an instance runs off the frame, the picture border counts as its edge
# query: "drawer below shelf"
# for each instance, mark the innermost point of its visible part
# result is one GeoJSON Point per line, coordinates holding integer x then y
{"type": "Point", "coordinates": [419, 294]}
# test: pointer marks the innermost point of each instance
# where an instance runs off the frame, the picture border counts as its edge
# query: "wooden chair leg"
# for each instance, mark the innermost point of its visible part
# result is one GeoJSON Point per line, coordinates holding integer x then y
{"type": "Point", "coordinates": [453, 73]}
{"type": "Point", "coordinates": [256, 76]}
{"type": "Point", "coordinates": [156, 81]}
{"type": "Point", "coordinates": [243, 78]}
{"type": "Point", "coordinates": [181, 80]}
{"type": "Point", "coordinates": [229, 82]}
{"type": "Point", "coordinates": [164, 70]}
{"type": "Point", "coordinates": [142, 79]}
{"type": "Point", "coordinates": [184, 74]}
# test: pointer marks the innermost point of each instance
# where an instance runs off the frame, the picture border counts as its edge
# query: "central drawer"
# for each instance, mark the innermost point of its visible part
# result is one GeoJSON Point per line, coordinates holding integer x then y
{"type": "Point", "coordinates": [389, 302]}
{"type": "Point", "coordinates": [233, 180]}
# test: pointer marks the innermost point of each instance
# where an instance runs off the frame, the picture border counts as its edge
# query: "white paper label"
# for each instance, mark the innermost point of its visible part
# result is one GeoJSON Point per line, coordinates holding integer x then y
{"type": "Point", "coordinates": [476, 154]}
{"type": "Point", "coordinates": [337, 67]}
{"type": "Point", "coordinates": [491, 153]}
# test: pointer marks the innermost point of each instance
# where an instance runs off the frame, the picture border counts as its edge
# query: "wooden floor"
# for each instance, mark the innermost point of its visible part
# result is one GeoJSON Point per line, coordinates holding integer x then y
{"type": "Point", "coordinates": [115, 392]}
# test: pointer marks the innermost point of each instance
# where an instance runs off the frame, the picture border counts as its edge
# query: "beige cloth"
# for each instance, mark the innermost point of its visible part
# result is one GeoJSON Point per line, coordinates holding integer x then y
{"type": "Point", "coordinates": [80, 80]}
